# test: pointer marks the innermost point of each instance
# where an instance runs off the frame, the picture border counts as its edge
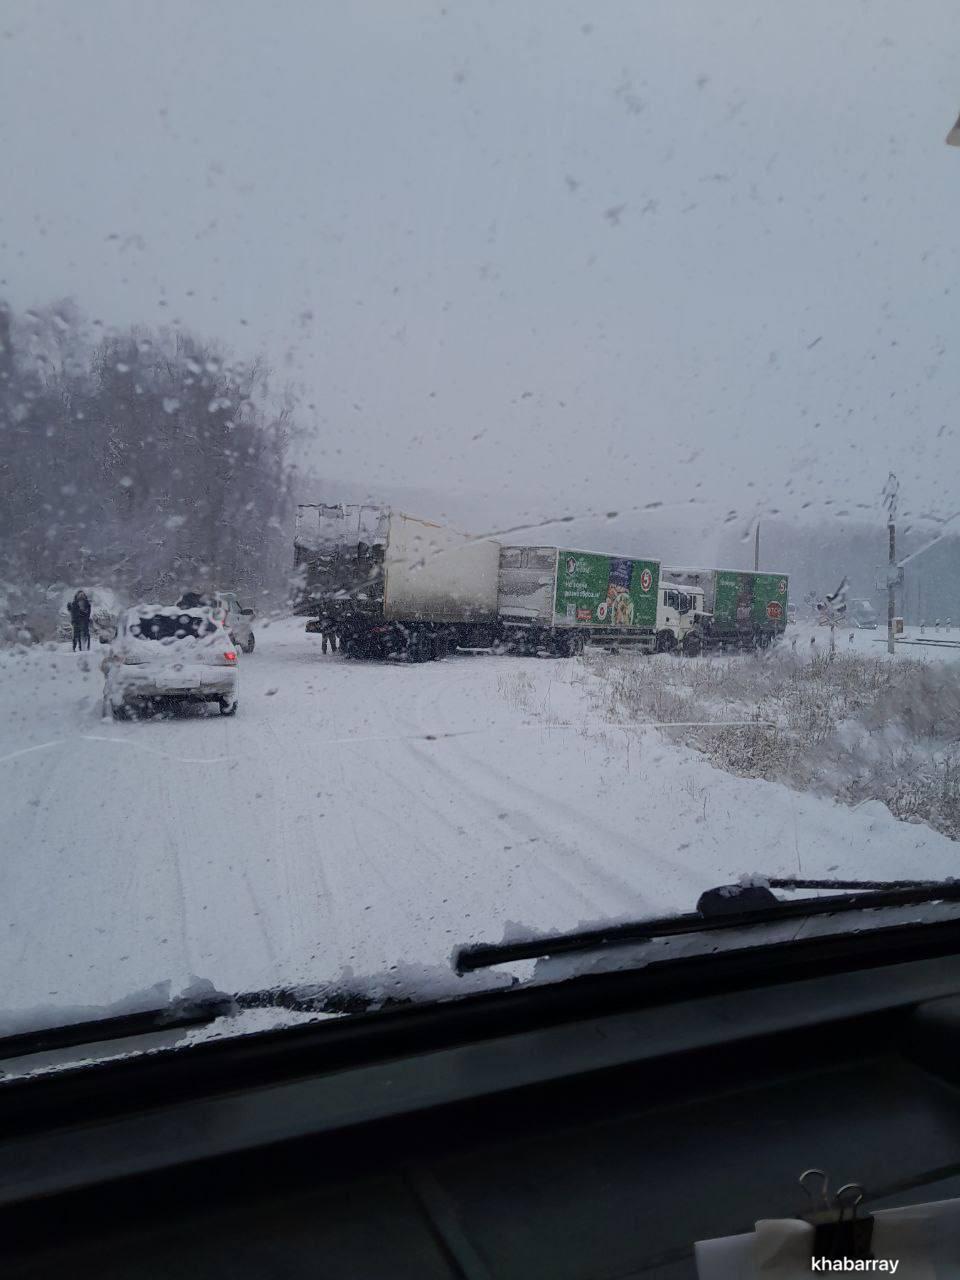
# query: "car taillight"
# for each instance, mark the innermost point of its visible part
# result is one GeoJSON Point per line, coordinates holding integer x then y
{"type": "Point", "coordinates": [230, 655]}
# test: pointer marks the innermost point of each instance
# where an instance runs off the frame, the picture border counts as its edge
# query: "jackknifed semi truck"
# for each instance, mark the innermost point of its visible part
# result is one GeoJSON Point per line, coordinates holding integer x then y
{"type": "Point", "coordinates": [394, 585]}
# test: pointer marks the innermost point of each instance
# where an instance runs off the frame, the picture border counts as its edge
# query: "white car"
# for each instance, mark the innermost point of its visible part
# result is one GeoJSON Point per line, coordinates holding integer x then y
{"type": "Point", "coordinates": [237, 620]}
{"type": "Point", "coordinates": [228, 612]}
{"type": "Point", "coordinates": [163, 654]}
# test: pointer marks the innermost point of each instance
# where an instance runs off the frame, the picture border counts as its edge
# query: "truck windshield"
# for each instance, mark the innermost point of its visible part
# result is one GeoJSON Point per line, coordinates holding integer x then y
{"type": "Point", "coordinates": [564, 391]}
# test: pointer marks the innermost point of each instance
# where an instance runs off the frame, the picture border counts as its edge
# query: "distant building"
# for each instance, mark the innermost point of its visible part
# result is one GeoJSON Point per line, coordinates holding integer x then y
{"type": "Point", "coordinates": [931, 583]}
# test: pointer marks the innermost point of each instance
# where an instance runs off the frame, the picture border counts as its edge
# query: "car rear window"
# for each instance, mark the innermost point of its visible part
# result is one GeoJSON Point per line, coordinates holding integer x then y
{"type": "Point", "coordinates": [162, 626]}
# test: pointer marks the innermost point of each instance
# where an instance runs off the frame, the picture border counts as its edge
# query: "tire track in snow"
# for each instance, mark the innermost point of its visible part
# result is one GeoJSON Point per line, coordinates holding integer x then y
{"type": "Point", "coordinates": [543, 896]}
{"type": "Point", "coordinates": [540, 808]}
{"type": "Point", "coordinates": [299, 862]}
{"type": "Point", "coordinates": [172, 843]}
{"type": "Point", "coordinates": [590, 882]}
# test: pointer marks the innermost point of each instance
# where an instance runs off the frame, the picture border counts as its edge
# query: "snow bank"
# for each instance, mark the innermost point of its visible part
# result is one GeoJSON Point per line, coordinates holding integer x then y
{"type": "Point", "coordinates": [153, 999]}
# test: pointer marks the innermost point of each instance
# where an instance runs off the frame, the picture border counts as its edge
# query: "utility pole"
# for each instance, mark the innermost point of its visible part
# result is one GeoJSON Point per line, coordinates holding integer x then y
{"type": "Point", "coordinates": [756, 550]}
{"type": "Point", "coordinates": [890, 491]}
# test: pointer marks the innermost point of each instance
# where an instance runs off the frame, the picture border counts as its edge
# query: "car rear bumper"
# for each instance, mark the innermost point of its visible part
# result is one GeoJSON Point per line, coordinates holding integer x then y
{"type": "Point", "coordinates": [206, 684]}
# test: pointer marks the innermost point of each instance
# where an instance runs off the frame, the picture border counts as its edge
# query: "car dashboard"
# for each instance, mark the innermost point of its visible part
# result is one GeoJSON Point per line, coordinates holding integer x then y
{"type": "Point", "coordinates": [597, 1127]}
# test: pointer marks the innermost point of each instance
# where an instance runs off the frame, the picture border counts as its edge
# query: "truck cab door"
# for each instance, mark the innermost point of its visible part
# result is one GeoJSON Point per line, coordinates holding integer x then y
{"type": "Point", "coordinates": [668, 616]}
{"type": "Point", "coordinates": [684, 613]}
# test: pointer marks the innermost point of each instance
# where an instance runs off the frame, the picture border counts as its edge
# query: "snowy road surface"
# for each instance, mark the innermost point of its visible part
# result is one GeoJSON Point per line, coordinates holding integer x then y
{"type": "Point", "coordinates": [356, 817]}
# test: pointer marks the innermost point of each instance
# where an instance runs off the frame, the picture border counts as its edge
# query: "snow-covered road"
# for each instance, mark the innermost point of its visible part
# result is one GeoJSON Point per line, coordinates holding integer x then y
{"type": "Point", "coordinates": [356, 817]}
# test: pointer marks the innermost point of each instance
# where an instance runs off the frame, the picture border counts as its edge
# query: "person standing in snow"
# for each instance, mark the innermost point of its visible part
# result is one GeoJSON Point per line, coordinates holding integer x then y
{"type": "Point", "coordinates": [79, 609]}
{"type": "Point", "coordinates": [327, 635]}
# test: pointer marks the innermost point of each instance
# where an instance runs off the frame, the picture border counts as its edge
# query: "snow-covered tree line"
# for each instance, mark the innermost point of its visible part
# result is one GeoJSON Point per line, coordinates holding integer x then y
{"type": "Point", "coordinates": [143, 460]}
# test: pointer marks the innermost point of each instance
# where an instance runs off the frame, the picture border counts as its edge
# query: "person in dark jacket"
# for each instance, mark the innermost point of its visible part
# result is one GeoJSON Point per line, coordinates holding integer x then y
{"type": "Point", "coordinates": [80, 610]}
{"type": "Point", "coordinates": [328, 634]}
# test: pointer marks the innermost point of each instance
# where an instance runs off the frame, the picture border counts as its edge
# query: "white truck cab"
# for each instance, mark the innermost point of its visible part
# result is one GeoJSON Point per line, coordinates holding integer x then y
{"type": "Point", "coordinates": [681, 620]}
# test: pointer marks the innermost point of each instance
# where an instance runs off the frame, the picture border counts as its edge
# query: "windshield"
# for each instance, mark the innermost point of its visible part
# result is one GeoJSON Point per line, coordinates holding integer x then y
{"type": "Point", "coordinates": [543, 413]}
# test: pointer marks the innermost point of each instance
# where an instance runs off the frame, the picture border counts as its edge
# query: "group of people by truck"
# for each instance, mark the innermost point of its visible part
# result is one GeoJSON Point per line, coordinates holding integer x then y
{"type": "Point", "coordinates": [384, 584]}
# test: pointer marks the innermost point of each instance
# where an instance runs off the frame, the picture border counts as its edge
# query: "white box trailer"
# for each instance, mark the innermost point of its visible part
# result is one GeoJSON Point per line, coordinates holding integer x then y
{"type": "Point", "coordinates": [433, 571]}
{"type": "Point", "coordinates": [392, 584]}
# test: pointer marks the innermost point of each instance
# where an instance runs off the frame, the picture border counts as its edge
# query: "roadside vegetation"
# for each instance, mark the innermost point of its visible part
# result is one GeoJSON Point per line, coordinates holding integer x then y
{"type": "Point", "coordinates": [854, 728]}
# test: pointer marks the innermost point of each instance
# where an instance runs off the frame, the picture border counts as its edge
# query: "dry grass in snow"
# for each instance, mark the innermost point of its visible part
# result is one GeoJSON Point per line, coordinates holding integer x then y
{"type": "Point", "coordinates": [856, 728]}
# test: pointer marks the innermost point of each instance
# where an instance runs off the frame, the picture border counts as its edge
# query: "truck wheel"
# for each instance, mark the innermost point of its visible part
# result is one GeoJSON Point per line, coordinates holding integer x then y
{"type": "Point", "coordinates": [228, 708]}
{"type": "Point", "coordinates": [666, 642]}
{"type": "Point", "coordinates": [692, 644]}
{"type": "Point", "coordinates": [438, 647]}
{"type": "Point", "coordinates": [251, 643]}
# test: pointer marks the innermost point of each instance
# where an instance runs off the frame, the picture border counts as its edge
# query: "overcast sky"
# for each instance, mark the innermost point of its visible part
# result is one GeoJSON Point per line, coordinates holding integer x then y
{"type": "Point", "coordinates": [541, 257]}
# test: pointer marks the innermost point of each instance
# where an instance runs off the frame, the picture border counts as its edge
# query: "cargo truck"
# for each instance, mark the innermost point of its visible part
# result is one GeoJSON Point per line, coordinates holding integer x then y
{"type": "Point", "coordinates": [557, 598]}
{"type": "Point", "coordinates": [393, 585]}
{"type": "Point", "coordinates": [746, 610]}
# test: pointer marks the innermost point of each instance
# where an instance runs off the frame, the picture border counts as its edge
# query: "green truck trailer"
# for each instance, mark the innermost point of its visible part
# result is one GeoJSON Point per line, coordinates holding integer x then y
{"type": "Point", "coordinates": [561, 597]}
{"type": "Point", "coordinates": [747, 609]}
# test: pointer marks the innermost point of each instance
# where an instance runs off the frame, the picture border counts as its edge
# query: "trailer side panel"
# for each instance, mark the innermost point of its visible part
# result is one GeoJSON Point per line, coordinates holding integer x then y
{"type": "Point", "coordinates": [599, 591]}
{"type": "Point", "coordinates": [528, 582]}
{"type": "Point", "coordinates": [437, 574]}
{"type": "Point", "coordinates": [750, 600]}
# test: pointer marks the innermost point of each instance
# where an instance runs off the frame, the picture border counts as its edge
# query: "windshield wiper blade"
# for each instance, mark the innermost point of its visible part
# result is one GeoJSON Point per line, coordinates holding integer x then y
{"type": "Point", "coordinates": [830, 882]}
{"type": "Point", "coordinates": [174, 1016]}
{"type": "Point", "coordinates": [726, 907]}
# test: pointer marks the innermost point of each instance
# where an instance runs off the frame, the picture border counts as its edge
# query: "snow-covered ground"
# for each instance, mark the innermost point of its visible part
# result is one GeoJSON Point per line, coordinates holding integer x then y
{"type": "Point", "coordinates": [363, 819]}
{"type": "Point", "coordinates": [931, 640]}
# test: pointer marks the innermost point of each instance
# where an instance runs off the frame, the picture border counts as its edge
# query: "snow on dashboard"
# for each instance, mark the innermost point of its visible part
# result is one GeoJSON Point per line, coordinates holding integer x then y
{"type": "Point", "coordinates": [156, 998]}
